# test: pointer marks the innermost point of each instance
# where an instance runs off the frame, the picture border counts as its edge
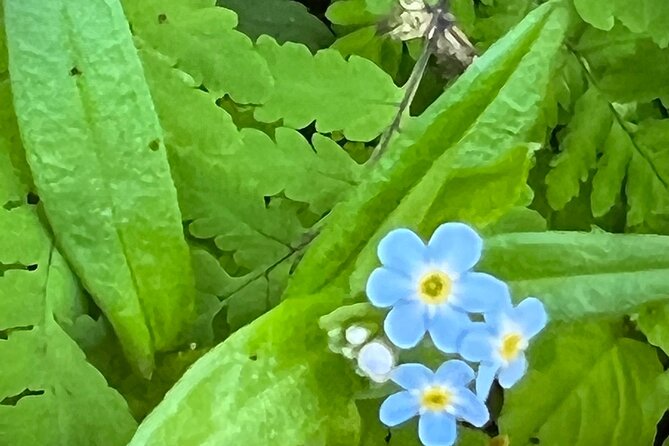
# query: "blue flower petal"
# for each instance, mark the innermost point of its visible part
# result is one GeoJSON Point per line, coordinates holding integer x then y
{"type": "Point", "coordinates": [531, 315]}
{"type": "Point", "coordinates": [484, 378]}
{"type": "Point", "coordinates": [405, 324]}
{"type": "Point", "coordinates": [479, 293]}
{"type": "Point", "coordinates": [454, 373]}
{"type": "Point", "coordinates": [437, 429]}
{"type": "Point", "coordinates": [412, 376]}
{"type": "Point", "coordinates": [447, 327]}
{"type": "Point", "coordinates": [477, 343]}
{"type": "Point", "coordinates": [511, 374]}
{"type": "Point", "coordinates": [457, 245]}
{"type": "Point", "coordinates": [398, 408]}
{"type": "Point", "coordinates": [385, 287]}
{"type": "Point", "coordinates": [470, 408]}
{"type": "Point", "coordinates": [402, 250]}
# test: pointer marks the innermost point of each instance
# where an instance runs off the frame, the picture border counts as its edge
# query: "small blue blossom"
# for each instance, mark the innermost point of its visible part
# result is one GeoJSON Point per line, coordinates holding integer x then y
{"type": "Point", "coordinates": [439, 398]}
{"type": "Point", "coordinates": [431, 287]}
{"type": "Point", "coordinates": [499, 344]}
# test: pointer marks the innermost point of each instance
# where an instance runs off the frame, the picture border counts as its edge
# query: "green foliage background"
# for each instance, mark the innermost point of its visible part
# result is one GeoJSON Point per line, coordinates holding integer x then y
{"type": "Point", "coordinates": [187, 188]}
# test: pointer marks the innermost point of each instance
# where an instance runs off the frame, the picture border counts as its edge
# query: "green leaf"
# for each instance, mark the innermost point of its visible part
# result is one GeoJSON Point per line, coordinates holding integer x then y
{"type": "Point", "coordinates": [615, 57]}
{"type": "Point", "coordinates": [579, 146]}
{"type": "Point", "coordinates": [596, 387]}
{"type": "Point", "coordinates": [580, 275]}
{"type": "Point", "coordinates": [190, 33]}
{"type": "Point", "coordinates": [267, 223]}
{"type": "Point", "coordinates": [350, 12]}
{"type": "Point", "coordinates": [649, 18]}
{"type": "Point", "coordinates": [465, 158]}
{"type": "Point", "coordinates": [354, 96]}
{"type": "Point", "coordinates": [286, 21]}
{"type": "Point", "coordinates": [611, 170]}
{"type": "Point", "coordinates": [597, 13]}
{"type": "Point", "coordinates": [49, 394]}
{"type": "Point", "coordinates": [366, 42]}
{"type": "Point", "coordinates": [107, 193]}
{"type": "Point", "coordinates": [272, 382]}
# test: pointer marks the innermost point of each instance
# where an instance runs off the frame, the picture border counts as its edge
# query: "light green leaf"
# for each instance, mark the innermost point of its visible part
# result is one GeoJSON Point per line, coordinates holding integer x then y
{"type": "Point", "coordinates": [368, 43]}
{"type": "Point", "coordinates": [597, 13]}
{"type": "Point", "coordinates": [190, 33]}
{"type": "Point", "coordinates": [465, 158]}
{"type": "Point", "coordinates": [611, 170]}
{"type": "Point", "coordinates": [581, 141]}
{"type": "Point", "coordinates": [49, 394]}
{"type": "Point", "coordinates": [107, 193]}
{"type": "Point", "coordinates": [580, 275]}
{"type": "Point", "coordinates": [272, 382]}
{"type": "Point", "coordinates": [354, 96]}
{"type": "Point", "coordinates": [596, 387]}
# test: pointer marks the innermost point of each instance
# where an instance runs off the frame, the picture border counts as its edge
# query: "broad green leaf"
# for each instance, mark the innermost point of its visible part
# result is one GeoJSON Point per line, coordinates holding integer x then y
{"type": "Point", "coordinates": [579, 146]}
{"type": "Point", "coordinates": [49, 394]}
{"type": "Point", "coordinates": [596, 387]}
{"type": "Point", "coordinates": [580, 275]}
{"type": "Point", "coordinates": [99, 164]}
{"type": "Point", "coordinates": [465, 158]}
{"type": "Point", "coordinates": [350, 12]}
{"type": "Point", "coordinates": [272, 382]}
{"type": "Point", "coordinates": [285, 20]}
{"type": "Point", "coordinates": [353, 96]}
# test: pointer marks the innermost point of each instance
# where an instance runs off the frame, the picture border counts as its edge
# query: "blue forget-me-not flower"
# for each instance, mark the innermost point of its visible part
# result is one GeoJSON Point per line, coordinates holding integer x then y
{"type": "Point", "coordinates": [431, 287]}
{"type": "Point", "coordinates": [499, 344]}
{"type": "Point", "coordinates": [439, 398]}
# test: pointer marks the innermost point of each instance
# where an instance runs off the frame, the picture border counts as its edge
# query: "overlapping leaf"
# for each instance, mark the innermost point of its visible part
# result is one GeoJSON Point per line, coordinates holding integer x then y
{"type": "Point", "coordinates": [596, 387]}
{"type": "Point", "coordinates": [254, 197]}
{"type": "Point", "coordinates": [271, 382]}
{"type": "Point", "coordinates": [321, 90]}
{"type": "Point", "coordinates": [258, 397]}
{"type": "Point", "coordinates": [647, 17]}
{"type": "Point", "coordinates": [103, 178]}
{"type": "Point", "coordinates": [49, 394]}
{"type": "Point", "coordinates": [471, 168]}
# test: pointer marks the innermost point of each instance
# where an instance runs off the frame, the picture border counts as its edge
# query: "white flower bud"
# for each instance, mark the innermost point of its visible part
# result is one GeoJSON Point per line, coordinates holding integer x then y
{"type": "Point", "coordinates": [356, 335]}
{"type": "Point", "coordinates": [376, 360]}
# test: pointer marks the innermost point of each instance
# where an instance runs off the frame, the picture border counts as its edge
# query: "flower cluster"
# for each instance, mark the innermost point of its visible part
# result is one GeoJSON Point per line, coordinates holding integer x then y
{"type": "Point", "coordinates": [431, 289]}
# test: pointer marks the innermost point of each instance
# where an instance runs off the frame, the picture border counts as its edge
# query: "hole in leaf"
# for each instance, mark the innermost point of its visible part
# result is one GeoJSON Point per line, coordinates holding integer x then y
{"type": "Point", "coordinates": [12, 204]}
{"type": "Point", "coordinates": [534, 440]}
{"type": "Point", "coordinates": [13, 400]}
{"type": "Point", "coordinates": [389, 435]}
{"type": "Point", "coordinates": [32, 198]}
{"type": "Point", "coordinates": [75, 71]}
{"type": "Point", "coordinates": [154, 145]}
{"type": "Point", "coordinates": [162, 18]}
{"type": "Point", "coordinates": [4, 334]}
{"type": "Point", "coordinates": [253, 357]}
{"type": "Point", "coordinates": [201, 87]}
{"type": "Point", "coordinates": [267, 199]}
{"type": "Point", "coordinates": [4, 267]}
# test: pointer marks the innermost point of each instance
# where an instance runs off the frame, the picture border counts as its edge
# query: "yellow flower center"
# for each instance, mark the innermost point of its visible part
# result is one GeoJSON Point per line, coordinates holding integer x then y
{"type": "Point", "coordinates": [436, 398]}
{"type": "Point", "coordinates": [435, 287]}
{"type": "Point", "coordinates": [511, 346]}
